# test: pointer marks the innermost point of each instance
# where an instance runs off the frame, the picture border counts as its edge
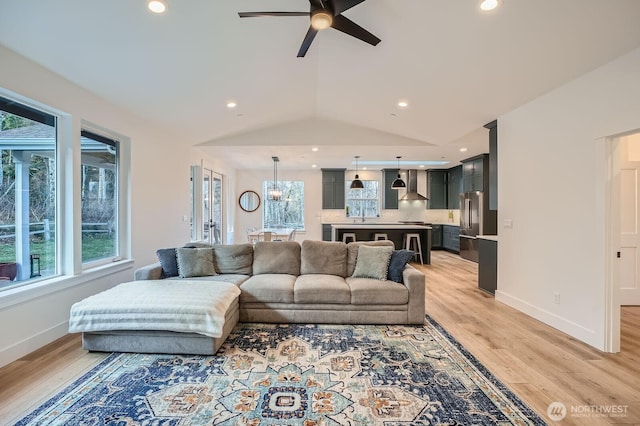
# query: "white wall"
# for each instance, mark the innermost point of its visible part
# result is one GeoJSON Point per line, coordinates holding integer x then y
{"type": "Point", "coordinates": [159, 190]}
{"type": "Point", "coordinates": [551, 158]}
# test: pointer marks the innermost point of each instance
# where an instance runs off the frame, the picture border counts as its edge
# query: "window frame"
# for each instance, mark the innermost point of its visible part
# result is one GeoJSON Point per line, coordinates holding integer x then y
{"type": "Point", "coordinates": [377, 200]}
{"type": "Point", "coordinates": [267, 184]}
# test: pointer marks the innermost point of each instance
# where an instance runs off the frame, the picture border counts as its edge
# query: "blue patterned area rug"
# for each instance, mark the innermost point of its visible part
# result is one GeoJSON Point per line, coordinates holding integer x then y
{"type": "Point", "coordinates": [309, 375]}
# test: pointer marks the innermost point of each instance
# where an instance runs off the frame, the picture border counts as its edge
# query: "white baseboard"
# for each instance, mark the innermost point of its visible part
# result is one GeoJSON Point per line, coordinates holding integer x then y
{"type": "Point", "coordinates": [571, 328]}
{"type": "Point", "coordinates": [26, 346]}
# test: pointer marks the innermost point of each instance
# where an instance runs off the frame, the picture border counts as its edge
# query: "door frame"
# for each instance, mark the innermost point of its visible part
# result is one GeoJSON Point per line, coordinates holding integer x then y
{"type": "Point", "coordinates": [612, 244]}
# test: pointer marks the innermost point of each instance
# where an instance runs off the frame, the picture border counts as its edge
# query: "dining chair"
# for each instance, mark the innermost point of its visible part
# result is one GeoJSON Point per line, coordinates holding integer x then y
{"type": "Point", "coordinates": [251, 238]}
{"type": "Point", "coordinates": [292, 236]}
{"type": "Point", "coordinates": [264, 236]}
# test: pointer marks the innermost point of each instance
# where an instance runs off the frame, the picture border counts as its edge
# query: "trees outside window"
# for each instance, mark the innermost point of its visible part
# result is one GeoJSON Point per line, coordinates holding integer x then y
{"type": "Point", "coordinates": [363, 202]}
{"type": "Point", "coordinates": [288, 212]}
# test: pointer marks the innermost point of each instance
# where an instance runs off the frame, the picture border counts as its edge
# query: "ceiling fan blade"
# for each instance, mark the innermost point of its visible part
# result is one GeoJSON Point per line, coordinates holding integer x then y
{"type": "Point", "coordinates": [347, 26]}
{"type": "Point", "coordinates": [258, 14]}
{"type": "Point", "coordinates": [340, 6]}
{"type": "Point", "coordinates": [306, 43]}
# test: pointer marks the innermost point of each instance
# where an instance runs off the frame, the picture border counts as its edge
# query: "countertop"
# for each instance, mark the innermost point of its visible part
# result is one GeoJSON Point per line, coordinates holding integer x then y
{"type": "Point", "coordinates": [347, 225]}
{"type": "Point", "coordinates": [488, 237]}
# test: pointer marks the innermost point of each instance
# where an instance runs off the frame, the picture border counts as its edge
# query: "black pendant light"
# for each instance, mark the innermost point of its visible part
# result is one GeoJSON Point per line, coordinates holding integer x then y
{"type": "Point", "coordinates": [398, 183]}
{"type": "Point", "coordinates": [356, 183]}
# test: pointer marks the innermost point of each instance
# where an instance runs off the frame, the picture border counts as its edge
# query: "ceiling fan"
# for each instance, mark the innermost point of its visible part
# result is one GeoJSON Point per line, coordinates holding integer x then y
{"type": "Point", "coordinates": [324, 14]}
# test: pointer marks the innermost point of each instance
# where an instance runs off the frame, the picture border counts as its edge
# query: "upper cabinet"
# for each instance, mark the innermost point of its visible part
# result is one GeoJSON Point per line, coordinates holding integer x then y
{"type": "Point", "coordinates": [493, 164]}
{"type": "Point", "coordinates": [454, 187]}
{"type": "Point", "coordinates": [333, 188]}
{"type": "Point", "coordinates": [390, 200]}
{"type": "Point", "coordinates": [437, 189]}
{"type": "Point", "coordinates": [475, 173]}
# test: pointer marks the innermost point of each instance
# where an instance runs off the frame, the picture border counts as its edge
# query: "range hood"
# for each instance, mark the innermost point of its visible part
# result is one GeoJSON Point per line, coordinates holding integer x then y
{"type": "Point", "coordinates": [412, 187]}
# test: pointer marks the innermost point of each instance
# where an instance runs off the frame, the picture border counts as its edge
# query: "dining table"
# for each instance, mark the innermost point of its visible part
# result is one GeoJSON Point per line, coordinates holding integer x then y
{"type": "Point", "coordinates": [276, 233]}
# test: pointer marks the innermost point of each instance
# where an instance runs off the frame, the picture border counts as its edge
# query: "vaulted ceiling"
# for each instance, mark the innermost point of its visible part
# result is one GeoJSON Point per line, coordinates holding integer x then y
{"type": "Point", "coordinates": [456, 66]}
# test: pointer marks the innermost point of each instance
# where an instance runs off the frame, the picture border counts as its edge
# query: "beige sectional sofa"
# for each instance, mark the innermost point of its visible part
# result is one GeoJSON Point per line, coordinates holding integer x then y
{"type": "Point", "coordinates": [288, 282]}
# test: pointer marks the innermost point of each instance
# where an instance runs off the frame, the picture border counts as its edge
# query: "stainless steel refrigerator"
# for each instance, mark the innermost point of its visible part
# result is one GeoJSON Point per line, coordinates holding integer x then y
{"type": "Point", "coordinates": [472, 223]}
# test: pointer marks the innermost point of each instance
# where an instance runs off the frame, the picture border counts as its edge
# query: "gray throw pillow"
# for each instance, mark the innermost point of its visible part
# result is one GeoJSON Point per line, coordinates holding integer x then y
{"type": "Point", "coordinates": [195, 262]}
{"type": "Point", "coordinates": [373, 262]}
{"type": "Point", "coordinates": [233, 259]}
{"type": "Point", "coordinates": [323, 257]}
{"type": "Point", "coordinates": [399, 259]}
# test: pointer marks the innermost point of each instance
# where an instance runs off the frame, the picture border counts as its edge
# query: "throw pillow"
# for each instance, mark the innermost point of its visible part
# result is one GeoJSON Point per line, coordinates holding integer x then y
{"type": "Point", "coordinates": [168, 262]}
{"type": "Point", "coordinates": [372, 262]}
{"type": "Point", "coordinates": [233, 259]}
{"type": "Point", "coordinates": [195, 262]}
{"type": "Point", "coordinates": [399, 259]}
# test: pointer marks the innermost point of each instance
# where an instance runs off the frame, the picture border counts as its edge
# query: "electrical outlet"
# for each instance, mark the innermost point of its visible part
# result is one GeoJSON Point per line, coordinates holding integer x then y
{"type": "Point", "coordinates": [556, 298]}
{"type": "Point", "coordinates": [508, 223]}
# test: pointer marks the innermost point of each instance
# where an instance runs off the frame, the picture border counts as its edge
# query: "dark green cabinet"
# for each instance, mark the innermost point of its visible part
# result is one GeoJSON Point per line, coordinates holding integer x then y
{"type": "Point", "coordinates": [333, 188]}
{"type": "Point", "coordinates": [493, 164]}
{"type": "Point", "coordinates": [454, 187]}
{"type": "Point", "coordinates": [326, 232]}
{"type": "Point", "coordinates": [390, 196]}
{"type": "Point", "coordinates": [436, 236]}
{"type": "Point", "coordinates": [437, 189]}
{"type": "Point", "coordinates": [451, 238]}
{"type": "Point", "coordinates": [487, 265]}
{"type": "Point", "coordinates": [475, 172]}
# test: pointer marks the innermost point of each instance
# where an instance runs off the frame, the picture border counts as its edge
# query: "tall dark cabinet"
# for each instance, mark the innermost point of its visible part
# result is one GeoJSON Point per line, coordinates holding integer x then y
{"type": "Point", "coordinates": [333, 182]}
{"type": "Point", "coordinates": [454, 187]}
{"type": "Point", "coordinates": [493, 164]}
{"type": "Point", "coordinates": [390, 196]}
{"type": "Point", "coordinates": [437, 189]}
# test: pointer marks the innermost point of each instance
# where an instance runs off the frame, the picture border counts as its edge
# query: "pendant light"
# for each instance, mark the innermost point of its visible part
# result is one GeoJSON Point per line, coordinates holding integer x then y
{"type": "Point", "coordinates": [356, 183]}
{"type": "Point", "coordinates": [398, 183]}
{"type": "Point", "coordinates": [275, 193]}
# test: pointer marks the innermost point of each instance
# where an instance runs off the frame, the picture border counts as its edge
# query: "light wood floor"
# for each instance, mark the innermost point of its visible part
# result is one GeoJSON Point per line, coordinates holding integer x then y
{"type": "Point", "coordinates": [538, 363]}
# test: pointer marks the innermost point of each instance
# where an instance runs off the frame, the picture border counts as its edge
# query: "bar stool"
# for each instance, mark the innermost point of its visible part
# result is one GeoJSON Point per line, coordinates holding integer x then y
{"type": "Point", "coordinates": [417, 250]}
{"type": "Point", "coordinates": [349, 235]}
{"type": "Point", "coordinates": [379, 236]}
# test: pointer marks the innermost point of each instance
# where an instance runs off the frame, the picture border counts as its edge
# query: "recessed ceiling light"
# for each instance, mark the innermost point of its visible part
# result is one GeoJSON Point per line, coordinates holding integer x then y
{"type": "Point", "coordinates": [422, 166]}
{"type": "Point", "coordinates": [314, 165]}
{"type": "Point", "coordinates": [403, 104]}
{"type": "Point", "coordinates": [463, 149]}
{"type": "Point", "coordinates": [157, 6]}
{"type": "Point", "coordinates": [314, 149]}
{"type": "Point", "coordinates": [231, 104]}
{"type": "Point", "coordinates": [488, 5]}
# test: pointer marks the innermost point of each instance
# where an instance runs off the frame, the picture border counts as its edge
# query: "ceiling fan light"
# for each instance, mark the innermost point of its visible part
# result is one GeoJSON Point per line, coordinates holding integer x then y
{"type": "Point", "coordinates": [321, 19]}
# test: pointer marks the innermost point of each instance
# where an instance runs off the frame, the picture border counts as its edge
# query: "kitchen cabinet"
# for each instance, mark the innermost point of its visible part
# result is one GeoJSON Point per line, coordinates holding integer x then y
{"type": "Point", "coordinates": [487, 265]}
{"type": "Point", "coordinates": [333, 182]}
{"type": "Point", "coordinates": [390, 196]}
{"type": "Point", "coordinates": [454, 187]}
{"type": "Point", "coordinates": [451, 238]}
{"type": "Point", "coordinates": [326, 232]}
{"type": "Point", "coordinates": [437, 189]}
{"type": "Point", "coordinates": [436, 237]}
{"type": "Point", "coordinates": [473, 173]}
{"type": "Point", "coordinates": [493, 164]}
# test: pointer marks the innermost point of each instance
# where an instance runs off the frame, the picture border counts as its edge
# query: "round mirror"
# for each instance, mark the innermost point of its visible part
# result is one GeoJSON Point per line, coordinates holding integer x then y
{"type": "Point", "coordinates": [249, 201]}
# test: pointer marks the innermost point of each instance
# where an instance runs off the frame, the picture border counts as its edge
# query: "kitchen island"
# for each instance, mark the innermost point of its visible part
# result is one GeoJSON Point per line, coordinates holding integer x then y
{"type": "Point", "coordinates": [395, 232]}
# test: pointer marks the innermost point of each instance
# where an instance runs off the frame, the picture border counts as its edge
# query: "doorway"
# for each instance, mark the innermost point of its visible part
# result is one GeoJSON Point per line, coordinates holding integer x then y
{"type": "Point", "coordinates": [212, 206]}
{"type": "Point", "coordinates": [623, 289]}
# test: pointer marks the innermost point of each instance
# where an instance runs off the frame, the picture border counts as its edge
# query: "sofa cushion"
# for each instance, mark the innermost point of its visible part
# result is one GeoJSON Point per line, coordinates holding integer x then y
{"type": "Point", "coordinates": [168, 262]}
{"type": "Point", "coordinates": [368, 291]}
{"type": "Point", "coordinates": [323, 257]}
{"type": "Point", "coordinates": [373, 262]}
{"type": "Point", "coordinates": [276, 257]}
{"type": "Point", "coordinates": [268, 288]}
{"type": "Point", "coordinates": [233, 259]}
{"type": "Point", "coordinates": [195, 262]}
{"type": "Point", "coordinates": [352, 252]}
{"type": "Point", "coordinates": [399, 259]}
{"type": "Point", "coordinates": [321, 288]}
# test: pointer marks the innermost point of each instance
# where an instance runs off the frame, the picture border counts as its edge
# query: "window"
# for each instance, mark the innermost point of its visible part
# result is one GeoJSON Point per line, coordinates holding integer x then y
{"type": "Point", "coordinates": [289, 211]}
{"type": "Point", "coordinates": [27, 192]}
{"type": "Point", "coordinates": [363, 202]}
{"type": "Point", "coordinates": [99, 197]}
{"type": "Point", "coordinates": [40, 231]}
